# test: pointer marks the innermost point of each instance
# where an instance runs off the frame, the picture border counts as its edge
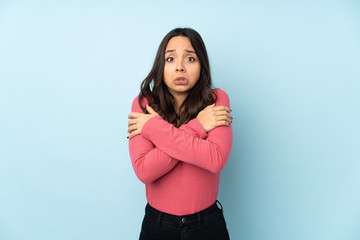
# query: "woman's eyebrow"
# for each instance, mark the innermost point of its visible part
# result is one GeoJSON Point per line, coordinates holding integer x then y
{"type": "Point", "coordinates": [189, 51]}
{"type": "Point", "coordinates": [186, 50]}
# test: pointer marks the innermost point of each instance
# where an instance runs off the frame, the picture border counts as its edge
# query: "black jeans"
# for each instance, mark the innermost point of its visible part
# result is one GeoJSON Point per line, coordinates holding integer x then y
{"type": "Point", "coordinates": [208, 224]}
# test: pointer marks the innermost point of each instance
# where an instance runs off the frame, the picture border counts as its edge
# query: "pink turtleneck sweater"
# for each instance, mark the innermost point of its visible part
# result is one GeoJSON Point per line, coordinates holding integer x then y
{"type": "Point", "coordinates": [180, 166]}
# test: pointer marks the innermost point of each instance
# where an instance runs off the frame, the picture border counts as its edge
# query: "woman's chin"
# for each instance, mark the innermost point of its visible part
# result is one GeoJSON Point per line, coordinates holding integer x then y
{"type": "Point", "coordinates": [180, 90]}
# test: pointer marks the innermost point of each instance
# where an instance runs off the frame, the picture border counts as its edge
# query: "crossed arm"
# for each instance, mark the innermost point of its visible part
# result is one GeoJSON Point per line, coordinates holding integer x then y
{"type": "Point", "coordinates": [157, 147]}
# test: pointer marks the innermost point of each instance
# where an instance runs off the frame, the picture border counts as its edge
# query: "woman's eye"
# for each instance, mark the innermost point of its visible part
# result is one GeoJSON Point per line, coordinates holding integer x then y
{"type": "Point", "coordinates": [169, 59]}
{"type": "Point", "coordinates": [191, 59]}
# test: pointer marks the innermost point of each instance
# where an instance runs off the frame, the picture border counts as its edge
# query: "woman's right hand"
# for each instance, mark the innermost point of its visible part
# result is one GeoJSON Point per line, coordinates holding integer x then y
{"type": "Point", "coordinates": [214, 116]}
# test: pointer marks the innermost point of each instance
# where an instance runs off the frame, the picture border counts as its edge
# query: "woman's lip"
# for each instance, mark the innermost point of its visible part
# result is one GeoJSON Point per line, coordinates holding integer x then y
{"type": "Point", "coordinates": [180, 81]}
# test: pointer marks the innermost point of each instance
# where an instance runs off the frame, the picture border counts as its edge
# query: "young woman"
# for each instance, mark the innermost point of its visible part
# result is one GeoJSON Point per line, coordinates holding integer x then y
{"type": "Point", "coordinates": [180, 139]}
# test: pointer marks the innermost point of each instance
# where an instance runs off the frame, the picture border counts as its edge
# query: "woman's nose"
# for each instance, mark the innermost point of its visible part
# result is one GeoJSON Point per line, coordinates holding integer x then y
{"type": "Point", "coordinates": [180, 67]}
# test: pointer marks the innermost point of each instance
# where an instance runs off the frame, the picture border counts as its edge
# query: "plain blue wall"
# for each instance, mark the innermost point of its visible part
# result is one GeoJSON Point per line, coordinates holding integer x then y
{"type": "Point", "coordinates": [69, 71]}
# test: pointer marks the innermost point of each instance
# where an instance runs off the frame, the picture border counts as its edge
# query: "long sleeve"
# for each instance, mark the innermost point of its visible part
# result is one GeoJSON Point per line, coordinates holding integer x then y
{"type": "Point", "coordinates": [210, 153]}
{"type": "Point", "coordinates": [149, 162]}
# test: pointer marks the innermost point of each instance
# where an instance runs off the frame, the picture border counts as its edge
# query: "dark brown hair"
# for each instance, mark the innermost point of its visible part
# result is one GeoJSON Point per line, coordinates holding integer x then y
{"type": "Point", "coordinates": [157, 94]}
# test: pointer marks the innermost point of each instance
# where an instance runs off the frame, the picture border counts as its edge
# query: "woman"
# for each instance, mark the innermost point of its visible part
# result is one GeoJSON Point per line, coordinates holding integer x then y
{"type": "Point", "coordinates": [180, 139]}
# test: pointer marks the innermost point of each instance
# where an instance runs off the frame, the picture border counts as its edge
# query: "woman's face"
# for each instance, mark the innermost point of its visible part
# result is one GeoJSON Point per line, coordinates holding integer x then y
{"type": "Point", "coordinates": [182, 66]}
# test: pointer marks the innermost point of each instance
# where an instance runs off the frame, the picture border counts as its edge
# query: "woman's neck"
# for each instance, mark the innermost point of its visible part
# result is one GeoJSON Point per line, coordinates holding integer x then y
{"type": "Point", "coordinates": [178, 101]}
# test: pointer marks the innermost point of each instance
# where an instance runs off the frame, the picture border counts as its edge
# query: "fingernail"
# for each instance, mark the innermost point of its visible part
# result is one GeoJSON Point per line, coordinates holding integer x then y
{"type": "Point", "coordinates": [127, 137]}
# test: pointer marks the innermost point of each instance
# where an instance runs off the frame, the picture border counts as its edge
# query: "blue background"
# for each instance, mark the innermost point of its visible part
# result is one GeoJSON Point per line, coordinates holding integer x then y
{"type": "Point", "coordinates": [69, 71]}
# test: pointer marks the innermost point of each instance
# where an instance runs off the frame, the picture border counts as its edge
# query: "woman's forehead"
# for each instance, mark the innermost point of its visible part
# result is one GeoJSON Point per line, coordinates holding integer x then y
{"type": "Point", "coordinates": [179, 43]}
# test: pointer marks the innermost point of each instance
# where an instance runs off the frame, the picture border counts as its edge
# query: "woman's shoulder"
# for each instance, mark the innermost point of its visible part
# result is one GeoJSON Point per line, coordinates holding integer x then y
{"type": "Point", "coordinates": [219, 91]}
{"type": "Point", "coordinates": [135, 107]}
{"type": "Point", "coordinates": [222, 97]}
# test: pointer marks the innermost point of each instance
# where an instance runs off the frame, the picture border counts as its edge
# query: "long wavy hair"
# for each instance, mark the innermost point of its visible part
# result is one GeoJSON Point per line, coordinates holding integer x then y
{"type": "Point", "coordinates": [154, 89]}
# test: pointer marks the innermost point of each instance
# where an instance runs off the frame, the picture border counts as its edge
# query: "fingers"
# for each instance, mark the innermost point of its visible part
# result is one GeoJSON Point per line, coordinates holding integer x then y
{"type": "Point", "coordinates": [133, 134]}
{"type": "Point", "coordinates": [132, 122]}
{"type": "Point", "coordinates": [224, 113]}
{"type": "Point", "coordinates": [151, 110]}
{"type": "Point", "coordinates": [221, 113]}
{"type": "Point", "coordinates": [222, 108]}
{"type": "Point", "coordinates": [223, 123]}
{"type": "Point", "coordinates": [134, 115]}
{"type": "Point", "coordinates": [132, 128]}
{"type": "Point", "coordinates": [224, 120]}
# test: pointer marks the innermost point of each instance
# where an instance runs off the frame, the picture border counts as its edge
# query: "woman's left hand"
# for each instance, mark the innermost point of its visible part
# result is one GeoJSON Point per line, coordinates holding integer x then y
{"type": "Point", "coordinates": [138, 120]}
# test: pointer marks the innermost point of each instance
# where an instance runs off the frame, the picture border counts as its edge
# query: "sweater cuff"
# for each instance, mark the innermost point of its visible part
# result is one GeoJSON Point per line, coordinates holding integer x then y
{"type": "Point", "coordinates": [196, 125]}
{"type": "Point", "coordinates": [147, 129]}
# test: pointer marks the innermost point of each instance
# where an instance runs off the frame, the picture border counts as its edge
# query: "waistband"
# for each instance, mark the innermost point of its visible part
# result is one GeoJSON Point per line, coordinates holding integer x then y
{"type": "Point", "coordinates": [182, 220]}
